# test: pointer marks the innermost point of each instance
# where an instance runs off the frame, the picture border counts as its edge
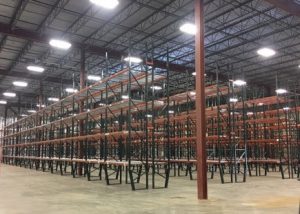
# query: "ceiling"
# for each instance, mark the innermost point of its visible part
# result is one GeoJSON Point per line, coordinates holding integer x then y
{"type": "Point", "coordinates": [234, 31]}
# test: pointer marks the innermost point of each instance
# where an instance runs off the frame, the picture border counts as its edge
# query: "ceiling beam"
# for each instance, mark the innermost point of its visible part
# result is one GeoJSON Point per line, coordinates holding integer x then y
{"type": "Point", "coordinates": [42, 38]}
{"type": "Point", "coordinates": [289, 6]}
{"type": "Point", "coordinates": [34, 77]}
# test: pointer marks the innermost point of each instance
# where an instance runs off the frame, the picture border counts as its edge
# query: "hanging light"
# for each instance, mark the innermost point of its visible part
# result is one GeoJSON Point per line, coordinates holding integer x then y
{"type": "Point", "coordinates": [133, 59]}
{"type": "Point", "coordinates": [266, 52]}
{"type": "Point", "coordinates": [125, 97]}
{"type": "Point", "coordinates": [233, 100]}
{"type": "Point", "coordinates": [71, 90]}
{"type": "Point", "coordinates": [60, 44]}
{"type": "Point", "coordinates": [94, 78]}
{"type": "Point", "coordinates": [40, 105]}
{"type": "Point", "coordinates": [3, 102]}
{"type": "Point", "coordinates": [188, 28]}
{"type": "Point", "coordinates": [281, 91]}
{"type": "Point", "coordinates": [35, 68]}
{"type": "Point", "coordinates": [20, 84]}
{"type": "Point", "coordinates": [108, 4]}
{"type": "Point", "coordinates": [9, 94]}
{"type": "Point", "coordinates": [156, 87]}
{"type": "Point", "coordinates": [53, 99]}
{"type": "Point", "coordinates": [239, 82]}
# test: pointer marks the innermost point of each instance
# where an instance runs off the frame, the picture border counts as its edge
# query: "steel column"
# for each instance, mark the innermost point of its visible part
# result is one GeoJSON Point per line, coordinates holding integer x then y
{"type": "Point", "coordinates": [81, 107]}
{"type": "Point", "coordinates": [200, 101]}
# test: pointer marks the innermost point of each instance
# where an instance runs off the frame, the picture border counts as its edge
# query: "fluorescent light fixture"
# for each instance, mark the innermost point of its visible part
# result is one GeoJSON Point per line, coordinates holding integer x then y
{"type": "Point", "coordinates": [3, 102]}
{"type": "Point", "coordinates": [23, 115]}
{"type": "Point", "coordinates": [9, 94]}
{"type": "Point", "coordinates": [250, 113]}
{"type": "Point", "coordinates": [266, 52]}
{"type": "Point", "coordinates": [233, 100]}
{"type": "Point", "coordinates": [223, 110]}
{"type": "Point", "coordinates": [71, 90]}
{"type": "Point", "coordinates": [133, 59]}
{"type": "Point", "coordinates": [60, 44]}
{"type": "Point", "coordinates": [108, 4]}
{"type": "Point", "coordinates": [31, 111]}
{"type": "Point", "coordinates": [189, 28]}
{"type": "Point", "coordinates": [42, 106]}
{"type": "Point", "coordinates": [53, 99]}
{"type": "Point", "coordinates": [125, 97]}
{"type": "Point", "coordinates": [171, 112]}
{"type": "Point", "coordinates": [286, 108]}
{"type": "Point", "coordinates": [192, 93]}
{"type": "Point", "coordinates": [149, 115]}
{"type": "Point", "coordinates": [239, 82]}
{"type": "Point", "coordinates": [35, 68]}
{"type": "Point", "coordinates": [156, 87]}
{"type": "Point", "coordinates": [94, 78]}
{"type": "Point", "coordinates": [20, 83]}
{"type": "Point", "coordinates": [281, 91]}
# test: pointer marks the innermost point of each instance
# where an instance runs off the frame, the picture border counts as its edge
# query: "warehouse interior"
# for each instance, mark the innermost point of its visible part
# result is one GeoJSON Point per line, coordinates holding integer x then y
{"type": "Point", "coordinates": [140, 106]}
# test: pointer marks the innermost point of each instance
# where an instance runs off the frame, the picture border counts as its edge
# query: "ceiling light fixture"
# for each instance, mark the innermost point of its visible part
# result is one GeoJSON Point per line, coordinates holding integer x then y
{"type": "Point", "coordinates": [31, 111]}
{"type": "Point", "coordinates": [171, 112]}
{"type": "Point", "coordinates": [71, 90]}
{"type": "Point", "coordinates": [60, 44]}
{"type": "Point", "coordinates": [189, 28]}
{"type": "Point", "coordinates": [94, 78]}
{"type": "Point", "coordinates": [192, 93]}
{"type": "Point", "coordinates": [133, 59]}
{"type": "Point", "coordinates": [156, 87]}
{"type": "Point", "coordinates": [233, 100]}
{"type": "Point", "coordinates": [35, 68]}
{"type": "Point", "coordinates": [239, 82]}
{"type": "Point", "coordinates": [286, 108]}
{"type": "Point", "coordinates": [42, 106]}
{"type": "Point", "coordinates": [3, 102]}
{"type": "Point", "coordinates": [281, 91]}
{"type": "Point", "coordinates": [108, 4]}
{"type": "Point", "coordinates": [20, 83]}
{"type": "Point", "coordinates": [23, 115]}
{"type": "Point", "coordinates": [9, 94]}
{"type": "Point", "coordinates": [53, 99]}
{"type": "Point", "coordinates": [125, 97]}
{"type": "Point", "coordinates": [266, 52]}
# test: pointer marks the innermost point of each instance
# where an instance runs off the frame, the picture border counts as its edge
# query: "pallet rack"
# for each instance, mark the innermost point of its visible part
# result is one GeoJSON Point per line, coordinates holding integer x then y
{"type": "Point", "coordinates": [126, 126]}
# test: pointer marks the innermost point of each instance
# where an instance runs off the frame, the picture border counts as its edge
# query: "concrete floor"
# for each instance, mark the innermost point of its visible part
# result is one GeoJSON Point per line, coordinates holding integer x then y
{"type": "Point", "coordinates": [24, 191]}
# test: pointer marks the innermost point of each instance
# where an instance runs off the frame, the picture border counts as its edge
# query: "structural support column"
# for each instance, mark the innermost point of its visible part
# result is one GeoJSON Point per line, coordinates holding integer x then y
{"type": "Point", "coordinates": [81, 107]}
{"type": "Point", "coordinates": [200, 101]}
{"type": "Point", "coordinates": [41, 99]}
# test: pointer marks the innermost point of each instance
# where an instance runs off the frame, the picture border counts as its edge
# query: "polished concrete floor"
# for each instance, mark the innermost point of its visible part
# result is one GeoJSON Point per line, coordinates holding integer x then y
{"type": "Point", "coordinates": [24, 191]}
